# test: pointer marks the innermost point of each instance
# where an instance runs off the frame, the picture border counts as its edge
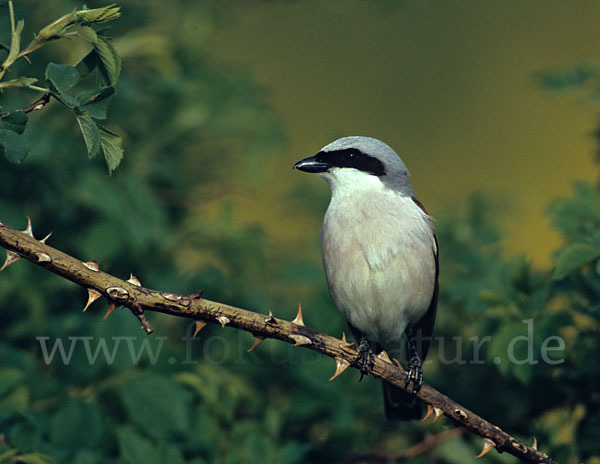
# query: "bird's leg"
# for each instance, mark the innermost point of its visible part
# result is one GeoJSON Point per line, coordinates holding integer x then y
{"type": "Point", "coordinates": [415, 364]}
{"type": "Point", "coordinates": [366, 356]}
{"type": "Point", "coordinates": [367, 349]}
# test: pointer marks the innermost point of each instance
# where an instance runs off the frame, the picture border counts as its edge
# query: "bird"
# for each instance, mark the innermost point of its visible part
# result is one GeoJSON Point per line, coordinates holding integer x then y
{"type": "Point", "coordinates": [380, 257]}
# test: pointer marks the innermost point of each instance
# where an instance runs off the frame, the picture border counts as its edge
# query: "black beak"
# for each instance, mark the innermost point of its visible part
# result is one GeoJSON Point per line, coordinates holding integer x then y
{"type": "Point", "coordinates": [312, 164]}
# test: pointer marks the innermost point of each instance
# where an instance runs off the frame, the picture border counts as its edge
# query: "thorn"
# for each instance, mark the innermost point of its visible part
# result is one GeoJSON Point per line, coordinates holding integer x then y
{"type": "Point", "coordinates": [195, 295]}
{"type": "Point", "coordinates": [199, 326]}
{"type": "Point", "coordinates": [300, 340]}
{"type": "Point", "coordinates": [92, 265]}
{"type": "Point", "coordinates": [487, 447]}
{"type": "Point", "coordinates": [438, 412]}
{"type": "Point", "coordinates": [271, 320]}
{"type": "Point", "coordinates": [428, 414]}
{"type": "Point", "coordinates": [223, 320]}
{"type": "Point", "coordinates": [134, 280]}
{"type": "Point", "coordinates": [11, 257]}
{"type": "Point", "coordinates": [42, 257]}
{"type": "Point", "coordinates": [257, 341]}
{"type": "Point", "coordinates": [384, 357]}
{"type": "Point", "coordinates": [344, 337]}
{"type": "Point", "coordinates": [170, 296]}
{"type": "Point", "coordinates": [28, 230]}
{"type": "Point", "coordinates": [398, 364]}
{"type": "Point", "coordinates": [93, 295]}
{"type": "Point", "coordinates": [534, 446]}
{"type": "Point", "coordinates": [340, 366]}
{"type": "Point", "coordinates": [461, 414]}
{"type": "Point", "coordinates": [349, 347]}
{"type": "Point", "coordinates": [109, 311]}
{"type": "Point", "coordinates": [518, 445]}
{"type": "Point", "coordinates": [45, 238]}
{"type": "Point", "coordinates": [298, 320]}
{"type": "Point", "coordinates": [119, 294]}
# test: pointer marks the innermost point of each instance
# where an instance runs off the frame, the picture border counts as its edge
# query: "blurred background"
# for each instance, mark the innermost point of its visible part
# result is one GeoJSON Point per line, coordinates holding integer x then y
{"type": "Point", "coordinates": [492, 105]}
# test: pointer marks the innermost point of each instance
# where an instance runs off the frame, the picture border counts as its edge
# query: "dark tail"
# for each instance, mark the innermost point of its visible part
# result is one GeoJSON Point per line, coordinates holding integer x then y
{"type": "Point", "coordinates": [399, 404]}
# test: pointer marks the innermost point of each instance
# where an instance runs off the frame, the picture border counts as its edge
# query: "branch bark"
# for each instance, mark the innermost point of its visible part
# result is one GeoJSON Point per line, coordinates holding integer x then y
{"type": "Point", "coordinates": [139, 299]}
{"type": "Point", "coordinates": [35, 106]}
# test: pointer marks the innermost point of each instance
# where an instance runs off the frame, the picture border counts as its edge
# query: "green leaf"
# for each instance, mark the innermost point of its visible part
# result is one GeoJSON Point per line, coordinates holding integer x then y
{"type": "Point", "coordinates": [15, 122]}
{"type": "Point", "coordinates": [13, 146]}
{"type": "Point", "coordinates": [15, 44]}
{"type": "Point", "coordinates": [8, 455]}
{"type": "Point", "coordinates": [294, 452]}
{"type": "Point", "coordinates": [157, 405]}
{"type": "Point", "coordinates": [98, 109]}
{"type": "Point", "coordinates": [96, 101]}
{"type": "Point", "coordinates": [76, 425]}
{"type": "Point", "coordinates": [98, 15]}
{"type": "Point", "coordinates": [578, 217]}
{"type": "Point", "coordinates": [573, 257]}
{"type": "Point", "coordinates": [91, 134]}
{"type": "Point", "coordinates": [9, 377]}
{"type": "Point", "coordinates": [104, 57]}
{"type": "Point", "coordinates": [135, 448]}
{"type": "Point", "coordinates": [95, 95]}
{"type": "Point", "coordinates": [62, 76]}
{"type": "Point", "coordinates": [88, 63]}
{"type": "Point", "coordinates": [456, 452]}
{"type": "Point", "coordinates": [87, 33]}
{"type": "Point", "coordinates": [171, 454]}
{"type": "Point", "coordinates": [72, 22]}
{"type": "Point", "coordinates": [110, 61]}
{"type": "Point", "coordinates": [112, 148]}
{"type": "Point", "coordinates": [16, 401]}
{"type": "Point", "coordinates": [22, 81]}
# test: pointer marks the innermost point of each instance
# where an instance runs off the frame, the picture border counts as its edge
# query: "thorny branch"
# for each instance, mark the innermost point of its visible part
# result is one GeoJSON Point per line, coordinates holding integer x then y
{"type": "Point", "coordinates": [138, 299]}
{"type": "Point", "coordinates": [35, 106]}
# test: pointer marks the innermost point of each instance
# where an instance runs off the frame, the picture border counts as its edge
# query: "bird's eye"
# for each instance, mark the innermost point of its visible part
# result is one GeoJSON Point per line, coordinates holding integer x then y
{"type": "Point", "coordinates": [350, 156]}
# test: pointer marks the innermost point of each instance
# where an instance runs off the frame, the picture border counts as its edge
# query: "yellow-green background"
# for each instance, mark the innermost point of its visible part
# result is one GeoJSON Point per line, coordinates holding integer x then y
{"type": "Point", "coordinates": [450, 85]}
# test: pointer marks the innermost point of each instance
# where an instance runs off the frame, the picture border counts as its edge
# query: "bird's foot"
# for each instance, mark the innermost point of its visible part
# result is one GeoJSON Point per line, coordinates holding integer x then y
{"type": "Point", "coordinates": [415, 373]}
{"type": "Point", "coordinates": [365, 358]}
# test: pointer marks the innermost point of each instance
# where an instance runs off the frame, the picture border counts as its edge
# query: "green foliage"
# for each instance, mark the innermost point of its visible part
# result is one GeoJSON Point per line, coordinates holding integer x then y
{"type": "Point", "coordinates": [201, 144]}
{"type": "Point", "coordinates": [13, 147]}
{"type": "Point", "coordinates": [524, 311]}
{"type": "Point", "coordinates": [101, 66]}
{"type": "Point", "coordinates": [561, 79]}
{"type": "Point", "coordinates": [574, 257]}
{"type": "Point", "coordinates": [159, 407]}
{"type": "Point", "coordinates": [584, 78]}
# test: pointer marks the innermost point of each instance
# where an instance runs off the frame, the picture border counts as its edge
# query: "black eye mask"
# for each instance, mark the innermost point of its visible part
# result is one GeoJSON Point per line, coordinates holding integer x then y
{"type": "Point", "coordinates": [351, 158]}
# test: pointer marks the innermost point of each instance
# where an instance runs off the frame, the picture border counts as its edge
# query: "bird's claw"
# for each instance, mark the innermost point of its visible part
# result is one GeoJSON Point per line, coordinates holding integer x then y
{"type": "Point", "coordinates": [365, 359]}
{"type": "Point", "coordinates": [415, 373]}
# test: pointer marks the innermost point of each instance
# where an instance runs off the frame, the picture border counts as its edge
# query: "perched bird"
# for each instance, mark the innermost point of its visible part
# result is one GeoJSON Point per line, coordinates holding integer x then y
{"type": "Point", "coordinates": [380, 257]}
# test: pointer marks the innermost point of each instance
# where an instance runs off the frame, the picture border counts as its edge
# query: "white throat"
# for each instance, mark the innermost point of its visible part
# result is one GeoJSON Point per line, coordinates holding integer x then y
{"type": "Point", "coordinates": [351, 182]}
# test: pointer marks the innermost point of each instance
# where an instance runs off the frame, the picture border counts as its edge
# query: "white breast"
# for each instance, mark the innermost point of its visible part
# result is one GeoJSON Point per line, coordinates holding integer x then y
{"type": "Point", "coordinates": [378, 254]}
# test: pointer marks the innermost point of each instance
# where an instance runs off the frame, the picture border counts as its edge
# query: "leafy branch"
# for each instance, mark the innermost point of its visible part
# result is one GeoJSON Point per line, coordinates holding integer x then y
{"type": "Point", "coordinates": [87, 99]}
{"type": "Point", "coordinates": [130, 294]}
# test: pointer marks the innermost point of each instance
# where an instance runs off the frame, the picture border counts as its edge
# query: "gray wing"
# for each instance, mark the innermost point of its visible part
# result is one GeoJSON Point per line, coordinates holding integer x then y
{"type": "Point", "coordinates": [423, 328]}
